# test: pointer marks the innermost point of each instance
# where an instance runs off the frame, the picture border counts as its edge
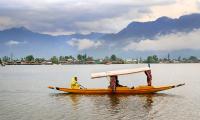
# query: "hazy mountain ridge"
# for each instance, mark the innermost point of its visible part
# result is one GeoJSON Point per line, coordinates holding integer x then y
{"type": "Point", "coordinates": [44, 44]}
{"type": "Point", "coordinates": [22, 33]}
{"type": "Point", "coordinates": [161, 26]}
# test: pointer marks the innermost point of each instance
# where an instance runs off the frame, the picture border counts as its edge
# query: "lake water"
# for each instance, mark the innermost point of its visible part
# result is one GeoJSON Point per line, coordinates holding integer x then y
{"type": "Point", "coordinates": [24, 94]}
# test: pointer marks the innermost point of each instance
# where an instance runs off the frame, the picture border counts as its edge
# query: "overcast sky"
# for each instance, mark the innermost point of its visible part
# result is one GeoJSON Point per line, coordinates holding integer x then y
{"type": "Point", "coordinates": [84, 16]}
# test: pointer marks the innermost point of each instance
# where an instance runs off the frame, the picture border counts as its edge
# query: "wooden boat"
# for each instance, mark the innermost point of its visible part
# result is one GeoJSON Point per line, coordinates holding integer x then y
{"type": "Point", "coordinates": [118, 90]}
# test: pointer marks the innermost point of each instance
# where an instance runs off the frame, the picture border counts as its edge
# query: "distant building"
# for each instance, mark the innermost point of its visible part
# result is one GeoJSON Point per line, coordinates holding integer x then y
{"type": "Point", "coordinates": [131, 61]}
{"type": "Point", "coordinates": [47, 62]}
{"type": "Point", "coordinates": [90, 62]}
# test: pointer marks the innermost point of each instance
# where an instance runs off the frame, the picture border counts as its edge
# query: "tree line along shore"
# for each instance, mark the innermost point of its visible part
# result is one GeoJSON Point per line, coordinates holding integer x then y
{"type": "Point", "coordinates": [85, 59]}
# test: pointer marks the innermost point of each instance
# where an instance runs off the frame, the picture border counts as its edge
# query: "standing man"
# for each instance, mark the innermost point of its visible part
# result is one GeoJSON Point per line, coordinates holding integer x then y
{"type": "Point", "coordinates": [113, 83]}
{"type": "Point", "coordinates": [149, 77]}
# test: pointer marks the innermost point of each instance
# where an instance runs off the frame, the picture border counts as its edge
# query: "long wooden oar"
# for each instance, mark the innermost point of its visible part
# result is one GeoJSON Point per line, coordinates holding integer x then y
{"type": "Point", "coordinates": [83, 87]}
{"type": "Point", "coordinates": [51, 87]}
{"type": "Point", "coordinates": [178, 85]}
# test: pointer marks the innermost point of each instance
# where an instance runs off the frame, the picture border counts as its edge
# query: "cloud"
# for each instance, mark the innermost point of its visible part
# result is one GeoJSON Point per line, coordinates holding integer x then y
{"type": "Point", "coordinates": [198, 4]}
{"type": "Point", "coordinates": [170, 42]}
{"type": "Point", "coordinates": [75, 15]}
{"type": "Point", "coordinates": [84, 44]}
{"type": "Point", "coordinates": [144, 10]}
{"type": "Point", "coordinates": [6, 22]}
{"type": "Point", "coordinates": [13, 42]}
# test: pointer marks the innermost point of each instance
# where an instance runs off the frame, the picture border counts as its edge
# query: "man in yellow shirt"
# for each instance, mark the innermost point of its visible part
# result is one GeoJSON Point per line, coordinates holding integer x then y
{"type": "Point", "coordinates": [74, 83]}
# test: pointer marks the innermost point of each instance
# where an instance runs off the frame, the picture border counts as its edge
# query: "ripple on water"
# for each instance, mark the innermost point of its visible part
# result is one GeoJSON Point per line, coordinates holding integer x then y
{"type": "Point", "coordinates": [24, 94]}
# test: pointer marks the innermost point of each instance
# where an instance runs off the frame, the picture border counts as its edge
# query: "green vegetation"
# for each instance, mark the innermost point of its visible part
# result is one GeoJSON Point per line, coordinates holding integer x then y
{"type": "Point", "coordinates": [54, 60]}
{"type": "Point", "coordinates": [66, 58]}
{"type": "Point", "coordinates": [39, 60]}
{"type": "Point", "coordinates": [152, 59]}
{"type": "Point", "coordinates": [6, 59]}
{"type": "Point", "coordinates": [29, 58]}
{"type": "Point", "coordinates": [85, 59]}
{"type": "Point", "coordinates": [193, 58]}
{"type": "Point", "coordinates": [113, 57]}
{"type": "Point", "coordinates": [82, 58]}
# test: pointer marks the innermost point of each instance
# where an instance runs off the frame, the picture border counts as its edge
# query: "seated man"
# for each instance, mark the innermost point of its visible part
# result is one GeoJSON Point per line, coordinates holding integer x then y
{"type": "Point", "coordinates": [74, 83]}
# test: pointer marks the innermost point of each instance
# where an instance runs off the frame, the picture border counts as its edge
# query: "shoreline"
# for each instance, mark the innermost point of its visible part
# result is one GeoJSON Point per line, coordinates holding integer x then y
{"type": "Point", "coordinates": [93, 64]}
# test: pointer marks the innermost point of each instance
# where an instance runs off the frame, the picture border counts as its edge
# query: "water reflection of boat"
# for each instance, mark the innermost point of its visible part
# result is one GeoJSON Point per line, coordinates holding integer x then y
{"type": "Point", "coordinates": [144, 89]}
{"type": "Point", "coordinates": [114, 100]}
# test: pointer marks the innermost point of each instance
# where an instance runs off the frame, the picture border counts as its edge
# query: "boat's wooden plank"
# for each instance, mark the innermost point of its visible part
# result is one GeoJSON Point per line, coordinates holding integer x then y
{"type": "Point", "coordinates": [137, 90]}
{"type": "Point", "coordinates": [118, 72]}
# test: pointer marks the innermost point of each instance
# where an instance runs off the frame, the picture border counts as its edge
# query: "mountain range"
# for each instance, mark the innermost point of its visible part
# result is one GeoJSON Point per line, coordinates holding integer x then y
{"type": "Point", "coordinates": [22, 41]}
{"type": "Point", "coordinates": [161, 26]}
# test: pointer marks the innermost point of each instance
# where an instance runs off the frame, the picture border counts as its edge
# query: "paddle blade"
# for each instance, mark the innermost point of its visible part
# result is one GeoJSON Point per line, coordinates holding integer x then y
{"type": "Point", "coordinates": [180, 85]}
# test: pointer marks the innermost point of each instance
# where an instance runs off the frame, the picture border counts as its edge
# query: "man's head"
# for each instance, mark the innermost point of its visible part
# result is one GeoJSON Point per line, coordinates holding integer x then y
{"type": "Point", "coordinates": [75, 78]}
{"type": "Point", "coordinates": [114, 77]}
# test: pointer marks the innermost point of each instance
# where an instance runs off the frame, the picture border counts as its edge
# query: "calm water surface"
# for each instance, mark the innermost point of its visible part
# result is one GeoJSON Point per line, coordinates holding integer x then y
{"type": "Point", "coordinates": [24, 94]}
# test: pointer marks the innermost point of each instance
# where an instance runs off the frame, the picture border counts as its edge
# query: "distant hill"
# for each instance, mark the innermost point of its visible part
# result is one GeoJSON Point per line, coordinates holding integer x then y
{"type": "Point", "coordinates": [48, 45]}
{"type": "Point", "coordinates": [161, 26]}
{"type": "Point", "coordinates": [22, 33]}
{"type": "Point", "coordinates": [29, 42]}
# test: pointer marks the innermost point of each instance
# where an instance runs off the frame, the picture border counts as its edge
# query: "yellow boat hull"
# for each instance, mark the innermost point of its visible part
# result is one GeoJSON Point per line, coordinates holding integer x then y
{"type": "Point", "coordinates": [119, 90]}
